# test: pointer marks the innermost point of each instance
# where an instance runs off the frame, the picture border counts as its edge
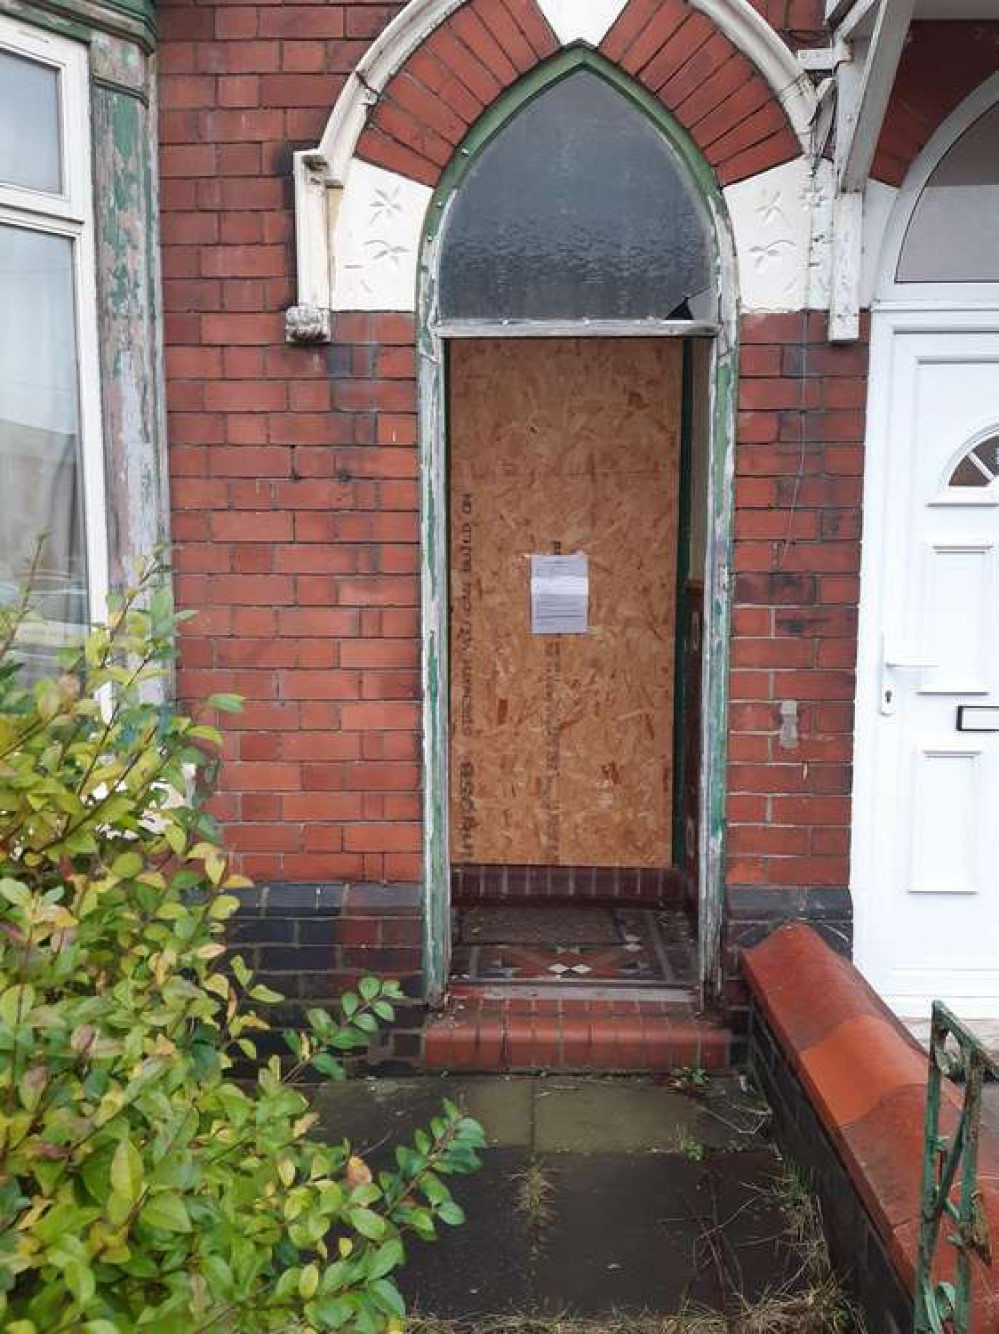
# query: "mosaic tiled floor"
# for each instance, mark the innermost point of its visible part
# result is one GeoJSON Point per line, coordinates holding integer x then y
{"type": "Point", "coordinates": [589, 944]}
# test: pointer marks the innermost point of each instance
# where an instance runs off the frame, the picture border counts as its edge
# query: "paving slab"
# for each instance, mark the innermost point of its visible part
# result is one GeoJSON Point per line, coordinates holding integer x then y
{"type": "Point", "coordinates": [482, 1268]}
{"type": "Point", "coordinates": [504, 1106]}
{"type": "Point", "coordinates": [596, 1195]}
{"type": "Point", "coordinates": [612, 1116]}
{"type": "Point", "coordinates": [371, 1111]}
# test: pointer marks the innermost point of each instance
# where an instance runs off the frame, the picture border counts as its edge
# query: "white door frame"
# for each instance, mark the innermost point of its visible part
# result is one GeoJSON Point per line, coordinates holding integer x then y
{"type": "Point", "coordinates": [898, 309]}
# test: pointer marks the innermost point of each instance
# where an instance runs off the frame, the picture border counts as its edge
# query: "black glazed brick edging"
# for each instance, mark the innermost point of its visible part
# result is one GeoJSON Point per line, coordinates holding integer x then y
{"type": "Point", "coordinates": [752, 914]}
{"type": "Point", "coordinates": [856, 1248]}
{"type": "Point", "coordinates": [311, 942]}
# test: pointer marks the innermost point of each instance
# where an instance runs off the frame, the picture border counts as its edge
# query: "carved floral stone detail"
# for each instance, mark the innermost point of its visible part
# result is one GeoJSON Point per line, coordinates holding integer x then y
{"type": "Point", "coordinates": [308, 324]}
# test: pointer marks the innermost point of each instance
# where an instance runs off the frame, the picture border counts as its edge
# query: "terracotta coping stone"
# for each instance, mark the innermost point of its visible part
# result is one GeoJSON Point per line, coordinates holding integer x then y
{"type": "Point", "coordinates": [865, 1076]}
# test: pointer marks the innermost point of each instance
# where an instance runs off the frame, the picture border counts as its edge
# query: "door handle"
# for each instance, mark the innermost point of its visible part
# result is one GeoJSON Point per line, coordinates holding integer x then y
{"type": "Point", "coordinates": [910, 664]}
{"type": "Point", "coordinates": [891, 664]}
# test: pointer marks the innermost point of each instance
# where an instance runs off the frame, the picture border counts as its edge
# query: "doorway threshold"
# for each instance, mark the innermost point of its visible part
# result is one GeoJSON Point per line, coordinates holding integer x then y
{"type": "Point", "coordinates": [610, 946]}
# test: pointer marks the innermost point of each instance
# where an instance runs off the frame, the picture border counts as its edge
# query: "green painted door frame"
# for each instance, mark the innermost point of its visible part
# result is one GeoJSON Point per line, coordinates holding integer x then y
{"type": "Point", "coordinates": [432, 371]}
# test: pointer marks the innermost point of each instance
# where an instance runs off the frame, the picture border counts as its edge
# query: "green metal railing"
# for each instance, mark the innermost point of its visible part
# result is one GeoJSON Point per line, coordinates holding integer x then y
{"type": "Point", "coordinates": [949, 1160]}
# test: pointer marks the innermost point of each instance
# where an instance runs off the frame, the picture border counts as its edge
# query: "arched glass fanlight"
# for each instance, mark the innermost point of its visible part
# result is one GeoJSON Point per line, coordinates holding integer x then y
{"type": "Point", "coordinates": [953, 236]}
{"type": "Point", "coordinates": [579, 208]}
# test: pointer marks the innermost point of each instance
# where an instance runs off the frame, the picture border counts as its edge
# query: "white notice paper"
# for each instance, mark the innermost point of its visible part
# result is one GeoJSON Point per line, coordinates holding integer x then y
{"type": "Point", "coordinates": [560, 595]}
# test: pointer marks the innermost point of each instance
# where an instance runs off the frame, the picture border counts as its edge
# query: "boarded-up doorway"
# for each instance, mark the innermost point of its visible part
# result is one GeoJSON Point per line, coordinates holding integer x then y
{"type": "Point", "coordinates": [563, 744]}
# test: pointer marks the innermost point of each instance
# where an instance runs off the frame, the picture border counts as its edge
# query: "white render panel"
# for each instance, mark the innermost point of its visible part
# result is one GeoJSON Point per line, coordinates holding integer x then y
{"type": "Point", "coordinates": [376, 240]}
{"type": "Point", "coordinates": [581, 20]}
{"type": "Point", "coordinates": [781, 224]}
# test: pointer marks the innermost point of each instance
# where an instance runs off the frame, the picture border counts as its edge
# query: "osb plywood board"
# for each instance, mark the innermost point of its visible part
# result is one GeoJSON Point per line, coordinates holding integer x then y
{"type": "Point", "coordinates": [562, 745]}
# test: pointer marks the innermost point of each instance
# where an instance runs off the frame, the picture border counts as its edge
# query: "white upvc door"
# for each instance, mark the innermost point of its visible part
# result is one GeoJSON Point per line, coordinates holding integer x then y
{"type": "Point", "coordinates": [926, 797]}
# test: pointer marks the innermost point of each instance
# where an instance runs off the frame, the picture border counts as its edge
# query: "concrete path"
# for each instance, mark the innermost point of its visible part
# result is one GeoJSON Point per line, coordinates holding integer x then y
{"type": "Point", "coordinates": [597, 1194]}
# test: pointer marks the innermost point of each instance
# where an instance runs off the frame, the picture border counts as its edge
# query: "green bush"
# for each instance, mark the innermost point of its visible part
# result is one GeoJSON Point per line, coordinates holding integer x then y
{"type": "Point", "coordinates": [142, 1187]}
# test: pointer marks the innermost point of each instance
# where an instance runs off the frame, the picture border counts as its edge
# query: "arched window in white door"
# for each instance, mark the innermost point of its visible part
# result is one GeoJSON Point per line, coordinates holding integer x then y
{"type": "Point", "coordinates": [978, 466]}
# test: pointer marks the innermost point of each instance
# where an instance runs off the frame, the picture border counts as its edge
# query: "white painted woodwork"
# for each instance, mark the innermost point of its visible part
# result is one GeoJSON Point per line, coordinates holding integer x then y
{"type": "Point", "coordinates": [864, 90]}
{"type": "Point", "coordinates": [581, 20]}
{"type": "Point", "coordinates": [925, 875]}
{"type": "Point", "coordinates": [864, 111]}
{"type": "Point", "coordinates": [312, 231]}
{"type": "Point", "coordinates": [879, 203]}
{"type": "Point", "coordinates": [858, 20]}
{"type": "Point", "coordinates": [781, 222]}
{"type": "Point", "coordinates": [847, 266]}
{"type": "Point", "coordinates": [835, 9]}
{"type": "Point", "coordinates": [70, 213]}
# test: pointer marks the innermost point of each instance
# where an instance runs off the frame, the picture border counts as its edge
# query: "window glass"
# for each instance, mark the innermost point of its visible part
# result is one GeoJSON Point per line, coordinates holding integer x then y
{"type": "Point", "coordinates": [980, 466]}
{"type": "Point", "coordinates": [30, 152]}
{"type": "Point", "coordinates": [40, 434]}
{"type": "Point", "coordinates": [579, 208]}
{"type": "Point", "coordinates": [954, 233]}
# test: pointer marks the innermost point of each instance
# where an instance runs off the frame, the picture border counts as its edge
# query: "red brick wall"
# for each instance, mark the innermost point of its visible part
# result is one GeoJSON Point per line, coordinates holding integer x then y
{"type": "Point", "coordinates": [942, 63]}
{"type": "Point", "coordinates": [296, 529]}
{"type": "Point", "coordinates": [692, 68]}
{"type": "Point", "coordinates": [294, 470]}
{"type": "Point", "coordinates": [799, 471]}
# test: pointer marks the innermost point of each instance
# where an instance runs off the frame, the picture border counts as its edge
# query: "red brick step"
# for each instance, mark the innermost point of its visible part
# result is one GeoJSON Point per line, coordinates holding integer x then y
{"type": "Point", "coordinates": [498, 1030]}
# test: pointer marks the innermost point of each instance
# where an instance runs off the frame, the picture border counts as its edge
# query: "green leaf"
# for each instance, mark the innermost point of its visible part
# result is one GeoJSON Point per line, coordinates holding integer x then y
{"type": "Point", "coordinates": [14, 892]}
{"type": "Point", "coordinates": [451, 1213]}
{"type": "Point", "coordinates": [368, 1223]}
{"type": "Point", "coordinates": [334, 1312]}
{"type": "Point", "coordinates": [388, 1297]}
{"type": "Point", "coordinates": [79, 1279]}
{"type": "Point", "coordinates": [48, 700]}
{"type": "Point", "coordinates": [265, 995]}
{"type": "Point", "coordinates": [225, 703]}
{"type": "Point", "coordinates": [223, 906]}
{"type": "Point", "coordinates": [126, 1171]}
{"type": "Point", "coordinates": [166, 1210]}
{"type": "Point", "coordinates": [126, 865]}
{"type": "Point", "coordinates": [327, 1065]}
{"type": "Point", "coordinates": [386, 1258]}
{"type": "Point", "coordinates": [176, 838]}
{"type": "Point", "coordinates": [369, 987]}
{"type": "Point", "coordinates": [15, 1003]}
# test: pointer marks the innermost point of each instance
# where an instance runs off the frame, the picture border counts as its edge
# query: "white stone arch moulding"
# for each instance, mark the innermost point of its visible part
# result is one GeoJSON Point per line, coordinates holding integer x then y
{"type": "Point", "coordinates": [895, 208]}
{"type": "Point", "coordinates": [358, 227]}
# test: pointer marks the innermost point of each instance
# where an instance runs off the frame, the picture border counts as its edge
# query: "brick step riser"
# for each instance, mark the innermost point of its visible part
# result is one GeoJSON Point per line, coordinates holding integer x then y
{"type": "Point", "coordinates": [628, 1044]}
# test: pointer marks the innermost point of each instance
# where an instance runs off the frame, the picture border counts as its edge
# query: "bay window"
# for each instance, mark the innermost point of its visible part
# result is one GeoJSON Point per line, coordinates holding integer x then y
{"type": "Point", "coordinates": [51, 454]}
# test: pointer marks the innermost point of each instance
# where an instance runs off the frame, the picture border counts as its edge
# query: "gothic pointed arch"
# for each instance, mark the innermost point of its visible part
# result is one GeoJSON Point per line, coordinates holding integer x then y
{"type": "Point", "coordinates": [715, 66]}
